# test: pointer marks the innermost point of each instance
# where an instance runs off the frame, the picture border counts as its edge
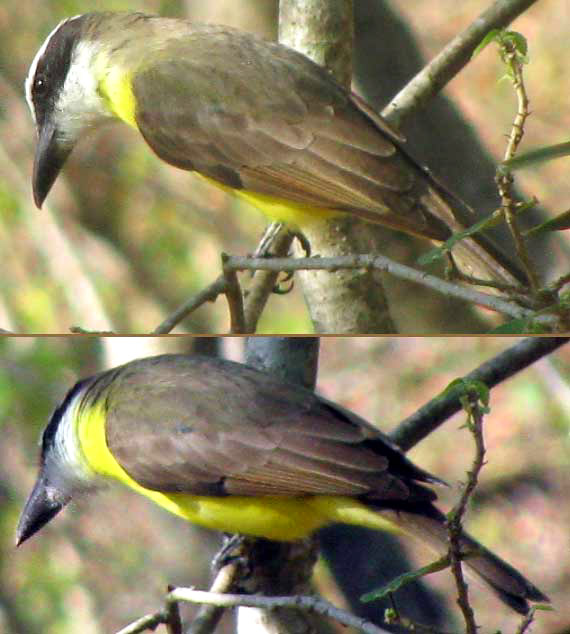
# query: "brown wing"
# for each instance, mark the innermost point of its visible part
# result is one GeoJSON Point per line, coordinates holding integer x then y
{"type": "Point", "coordinates": [212, 427]}
{"type": "Point", "coordinates": [258, 116]}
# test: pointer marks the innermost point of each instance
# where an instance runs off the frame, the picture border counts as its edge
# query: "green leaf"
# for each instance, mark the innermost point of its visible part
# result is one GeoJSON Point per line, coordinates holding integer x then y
{"type": "Point", "coordinates": [438, 252]}
{"type": "Point", "coordinates": [463, 387]}
{"type": "Point", "coordinates": [457, 385]}
{"type": "Point", "coordinates": [482, 390]}
{"type": "Point", "coordinates": [491, 36]}
{"type": "Point", "coordinates": [407, 577]}
{"type": "Point", "coordinates": [488, 222]}
{"type": "Point", "coordinates": [513, 41]}
{"type": "Point", "coordinates": [534, 157]}
{"type": "Point", "coordinates": [558, 223]}
{"type": "Point", "coordinates": [518, 40]}
{"type": "Point", "coordinates": [521, 326]}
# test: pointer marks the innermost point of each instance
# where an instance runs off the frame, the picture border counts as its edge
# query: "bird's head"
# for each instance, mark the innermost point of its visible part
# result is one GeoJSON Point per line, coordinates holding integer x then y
{"type": "Point", "coordinates": [63, 96]}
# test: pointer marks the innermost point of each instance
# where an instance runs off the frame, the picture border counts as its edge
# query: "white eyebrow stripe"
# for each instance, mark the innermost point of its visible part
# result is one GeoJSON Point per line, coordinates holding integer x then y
{"type": "Point", "coordinates": [32, 72]}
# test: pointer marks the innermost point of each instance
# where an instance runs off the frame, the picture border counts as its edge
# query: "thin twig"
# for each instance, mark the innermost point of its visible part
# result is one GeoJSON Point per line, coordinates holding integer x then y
{"type": "Point", "coordinates": [504, 178]}
{"type": "Point", "coordinates": [449, 62]}
{"type": "Point", "coordinates": [460, 276]}
{"type": "Point", "coordinates": [147, 622]}
{"type": "Point", "coordinates": [474, 410]}
{"type": "Point", "coordinates": [255, 303]}
{"type": "Point", "coordinates": [263, 283]}
{"type": "Point", "coordinates": [174, 622]}
{"type": "Point", "coordinates": [430, 416]}
{"type": "Point", "coordinates": [526, 622]}
{"type": "Point", "coordinates": [208, 294]}
{"type": "Point", "coordinates": [206, 619]}
{"type": "Point", "coordinates": [235, 301]}
{"type": "Point", "coordinates": [381, 263]}
{"type": "Point", "coordinates": [392, 616]}
{"type": "Point", "coordinates": [209, 616]}
{"type": "Point", "coordinates": [297, 602]}
{"type": "Point", "coordinates": [245, 308]}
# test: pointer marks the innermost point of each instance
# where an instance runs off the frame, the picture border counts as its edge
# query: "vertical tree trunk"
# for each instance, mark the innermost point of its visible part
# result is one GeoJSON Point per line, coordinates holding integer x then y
{"type": "Point", "coordinates": [281, 568]}
{"type": "Point", "coordinates": [344, 301]}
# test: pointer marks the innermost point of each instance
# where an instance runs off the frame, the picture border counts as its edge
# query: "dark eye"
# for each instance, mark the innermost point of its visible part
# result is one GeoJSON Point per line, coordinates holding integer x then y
{"type": "Point", "coordinates": [40, 85]}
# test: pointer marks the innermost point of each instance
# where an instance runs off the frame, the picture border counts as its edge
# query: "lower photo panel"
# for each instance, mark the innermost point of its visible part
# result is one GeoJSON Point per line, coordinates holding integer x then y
{"type": "Point", "coordinates": [394, 482]}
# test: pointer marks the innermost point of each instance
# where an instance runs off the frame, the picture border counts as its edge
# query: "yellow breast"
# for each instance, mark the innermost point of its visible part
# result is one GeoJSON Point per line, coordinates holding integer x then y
{"type": "Point", "coordinates": [280, 518]}
{"type": "Point", "coordinates": [115, 89]}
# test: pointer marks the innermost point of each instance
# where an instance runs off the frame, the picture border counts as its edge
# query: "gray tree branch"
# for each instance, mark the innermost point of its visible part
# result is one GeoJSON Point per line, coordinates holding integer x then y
{"type": "Point", "coordinates": [443, 68]}
{"type": "Point", "coordinates": [345, 301]}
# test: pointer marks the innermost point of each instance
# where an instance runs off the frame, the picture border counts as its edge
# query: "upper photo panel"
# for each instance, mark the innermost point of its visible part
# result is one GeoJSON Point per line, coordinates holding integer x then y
{"type": "Point", "coordinates": [284, 167]}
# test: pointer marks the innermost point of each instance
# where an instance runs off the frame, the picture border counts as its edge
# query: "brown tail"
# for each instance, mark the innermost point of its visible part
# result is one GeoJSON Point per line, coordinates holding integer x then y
{"type": "Point", "coordinates": [428, 524]}
{"type": "Point", "coordinates": [476, 255]}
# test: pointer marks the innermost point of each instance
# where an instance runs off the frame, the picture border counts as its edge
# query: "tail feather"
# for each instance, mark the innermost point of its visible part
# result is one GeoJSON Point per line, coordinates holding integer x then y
{"type": "Point", "coordinates": [477, 255]}
{"type": "Point", "coordinates": [508, 584]}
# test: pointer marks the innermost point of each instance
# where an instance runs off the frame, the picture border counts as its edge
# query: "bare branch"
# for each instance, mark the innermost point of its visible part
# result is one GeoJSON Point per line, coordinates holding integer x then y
{"type": "Point", "coordinates": [255, 302]}
{"type": "Point", "coordinates": [173, 620]}
{"type": "Point", "coordinates": [299, 602]}
{"type": "Point", "coordinates": [526, 622]}
{"type": "Point", "coordinates": [209, 294]}
{"type": "Point", "coordinates": [474, 408]}
{"type": "Point", "coordinates": [381, 263]}
{"type": "Point", "coordinates": [147, 622]}
{"type": "Point", "coordinates": [263, 283]}
{"type": "Point", "coordinates": [433, 77]}
{"type": "Point", "coordinates": [209, 616]}
{"type": "Point", "coordinates": [494, 371]}
{"type": "Point", "coordinates": [235, 302]}
{"type": "Point", "coordinates": [505, 179]}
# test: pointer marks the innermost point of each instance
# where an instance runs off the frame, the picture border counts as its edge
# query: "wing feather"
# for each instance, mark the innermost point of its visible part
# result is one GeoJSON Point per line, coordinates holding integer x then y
{"type": "Point", "coordinates": [211, 427]}
{"type": "Point", "coordinates": [257, 116]}
{"type": "Point", "coordinates": [277, 127]}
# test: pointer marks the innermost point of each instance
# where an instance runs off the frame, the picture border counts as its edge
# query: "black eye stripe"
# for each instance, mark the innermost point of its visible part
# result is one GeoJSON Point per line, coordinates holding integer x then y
{"type": "Point", "coordinates": [53, 66]}
{"type": "Point", "coordinates": [51, 428]}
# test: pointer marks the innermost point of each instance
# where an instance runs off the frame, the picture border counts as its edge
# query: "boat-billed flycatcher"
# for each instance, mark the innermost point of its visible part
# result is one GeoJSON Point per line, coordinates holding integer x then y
{"type": "Point", "coordinates": [234, 449]}
{"type": "Point", "coordinates": [252, 116]}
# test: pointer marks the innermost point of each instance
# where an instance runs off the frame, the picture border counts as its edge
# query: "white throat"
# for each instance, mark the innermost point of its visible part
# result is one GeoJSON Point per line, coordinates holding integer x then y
{"type": "Point", "coordinates": [78, 105]}
{"type": "Point", "coordinates": [79, 98]}
{"type": "Point", "coordinates": [70, 472]}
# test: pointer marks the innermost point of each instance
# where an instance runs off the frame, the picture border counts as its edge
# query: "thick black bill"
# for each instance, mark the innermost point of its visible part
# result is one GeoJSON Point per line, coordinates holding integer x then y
{"type": "Point", "coordinates": [44, 504]}
{"type": "Point", "coordinates": [51, 155]}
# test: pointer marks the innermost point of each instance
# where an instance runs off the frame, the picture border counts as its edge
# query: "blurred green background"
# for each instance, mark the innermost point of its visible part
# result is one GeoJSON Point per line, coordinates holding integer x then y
{"type": "Point", "coordinates": [107, 559]}
{"type": "Point", "coordinates": [124, 239]}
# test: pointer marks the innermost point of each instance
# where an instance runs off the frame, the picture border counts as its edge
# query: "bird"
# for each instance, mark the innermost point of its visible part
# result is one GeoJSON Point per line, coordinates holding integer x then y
{"type": "Point", "coordinates": [235, 449]}
{"type": "Point", "coordinates": [251, 116]}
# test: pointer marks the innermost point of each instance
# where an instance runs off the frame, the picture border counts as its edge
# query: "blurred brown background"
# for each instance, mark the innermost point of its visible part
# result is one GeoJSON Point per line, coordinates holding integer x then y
{"type": "Point", "coordinates": [107, 559]}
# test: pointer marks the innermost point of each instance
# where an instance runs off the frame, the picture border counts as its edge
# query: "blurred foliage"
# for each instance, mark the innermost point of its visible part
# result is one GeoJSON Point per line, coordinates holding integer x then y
{"type": "Point", "coordinates": [124, 238]}
{"type": "Point", "coordinates": [107, 559]}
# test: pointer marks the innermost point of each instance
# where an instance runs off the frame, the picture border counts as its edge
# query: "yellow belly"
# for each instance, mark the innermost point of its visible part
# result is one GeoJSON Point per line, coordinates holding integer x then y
{"type": "Point", "coordinates": [279, 518]}
{"type": "Point", "coordinates": [295, 215]}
